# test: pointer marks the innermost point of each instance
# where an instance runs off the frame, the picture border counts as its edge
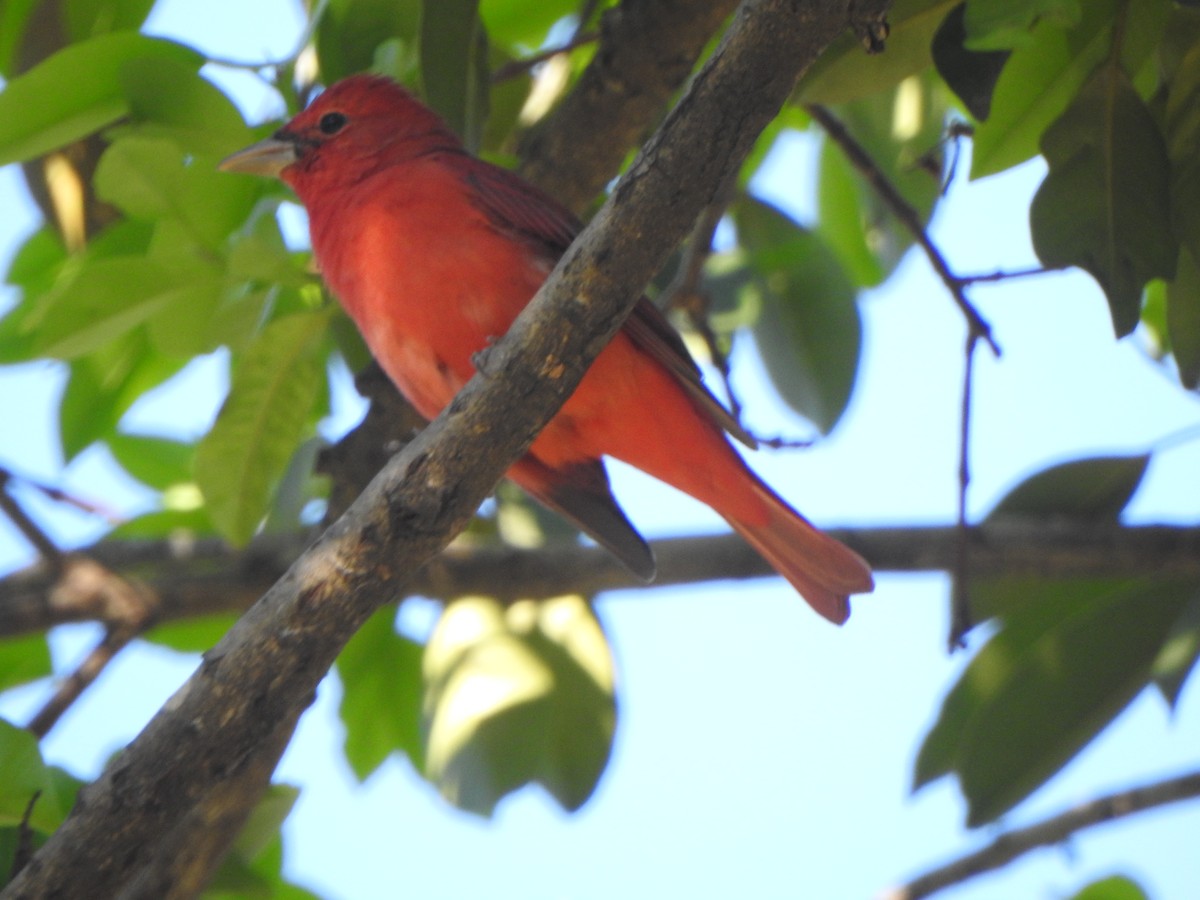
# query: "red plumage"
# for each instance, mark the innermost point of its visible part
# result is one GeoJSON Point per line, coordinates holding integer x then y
{"type": "Point", "coordinates": [434, 252]}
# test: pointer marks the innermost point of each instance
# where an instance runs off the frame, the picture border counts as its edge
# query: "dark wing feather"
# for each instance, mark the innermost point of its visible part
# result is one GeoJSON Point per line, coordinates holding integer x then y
{"type": "Point", "coordinates": [517, 207]}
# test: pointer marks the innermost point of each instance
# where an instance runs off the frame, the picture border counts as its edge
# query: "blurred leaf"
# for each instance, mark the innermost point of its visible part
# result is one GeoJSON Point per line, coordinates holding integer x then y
{"type": "Point", "coordinates": [107, 299]}
{"type": "Point", "coordinates": [1094, 489]}
{"type": "Point", "coordinates": [1183, 319]}
{"type": "Point", "coordinates": [23, 659]}
{"type": "Point", "coordinates": [77, 91]}
{"type": "Point", "coordinates": [809, 331]}
{"type": "Point", "coordinates": [380, 673]}
{"type": "Point", "coordinates": [971, 73]}
{"type": "Point", "coordinates": [350, 30]}
{"type": "Point", "coordinates": [899, 130]}
{"type": "Point", "coordinates": [180, 524]}
{"type": "Point", "coordinates": [518, 695]}
{"type": "Point", "coordinates": [253, 867]}
{"type": "Point", "coordinates": [151, 178]}
{"type": "Point", "coordinates": [274, 384]}
{"type": "Point", "coordinates": [1114, 887]}
{"type": "Point", "coordinates": [103, 386]}
{"type": "Point", "coordinates": [1048, 681]}
{"type": "Point", "coordinates": [844, 72]}
{"type": "Point", "coordinates": [14, 16]}
{"type": "Point", "coordinates": [86, 18]}
{"type": "Point", "coordinates": [453, 65]}
{"type": "Point", "coordinates": [1180, 653]}
{"type": "Point", "coordinates": [24, 775]}
{"type": "Point", "coordinates": [1002, 24]}
{"type": "Point", "coordinates": [154, 461]}
{"type": "Point", "coordinates": [1105, 205]}
{"type": "Point", "coordinates": [1044, 75]}
{"type": "Point", "coordinates": [523, 24]}
{"type": "Point", "coordinates": [172, 100]}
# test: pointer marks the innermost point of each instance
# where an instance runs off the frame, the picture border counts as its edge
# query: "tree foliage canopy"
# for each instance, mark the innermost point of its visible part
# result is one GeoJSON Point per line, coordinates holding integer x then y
{"type": "Point", "coordinates": [149, 258]}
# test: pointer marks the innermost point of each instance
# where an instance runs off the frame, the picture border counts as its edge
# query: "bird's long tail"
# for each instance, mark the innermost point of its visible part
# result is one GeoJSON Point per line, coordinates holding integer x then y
{"type": "Point", "coordinates": [824, 570]}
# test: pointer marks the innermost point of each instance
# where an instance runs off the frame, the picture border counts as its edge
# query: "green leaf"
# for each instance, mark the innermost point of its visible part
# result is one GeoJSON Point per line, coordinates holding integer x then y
{"type": "Point", "coordinates": [1182, 129]}
{"type": "Point", "coordinates": [350, 30]}
{"type": "Point", "coordinates": [25, 774]}
{"type": "Point", "coordinates": [453, 65]}
{"type": "Point", "coordinates": [154, 461]}
{"type": "Point", "coordinates": [1048, 681]}
{"type": "Point", "coordinates": [1114, 887]}
{"type": "Point", "coordinates": [75, 92]}
{"type": "Point", "coordinates": [844, 72]}
{"type": "Point", "coordinates": [1094, 490]}
{"type": "Point", "coordinates": [971, 73]}
{"type": "Point", "coordinates": [809, 331]}
{"type": "Point", "coordinates": [172, 100]}
{"type": "Point", "coordinates": [1183, 319]}
{"type": "Point", "coordinates": [103, 385]}
{"type": "Point", "coordinates": [23, 659]}
{"type": "Point", "coordinates": [87, 18]}
{"type": "Point", "coordinates": [523, 23]}
{"type": "Point", "coordinates": [1179, 654]}
{"type": "Point", "coordinates": [1002, 24]}
{"type": "Point", "coordinates": [1044, 75]}
{"type": "Point", "coordinates": [152, 178]}
{"type": "Point", "coordinates": [896, 128]}
{"type": "Point", "coordinates": [274, 385]}
{"type": "Point", "coordinates": [1105, 205]}
{"type": "Point", "coordinates": [381, 695]}
{"type": "Point", "coordinates": [14, 16]}
{"type": "Point", "coordinates": [106, 300]}
{"type": "Point", "coordinates": [516, 695]}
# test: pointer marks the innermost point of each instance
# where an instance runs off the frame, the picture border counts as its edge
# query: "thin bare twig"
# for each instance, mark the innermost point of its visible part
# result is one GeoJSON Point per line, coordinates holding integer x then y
{"type": "Point", "coordinates": [907, 215]}
{"type": "Point", "coordinates": [23, 852]}
{"type": "Point", "coordinates": [960, 607]}
{"type": "Point", "coordinates": [1004, 276]}
{"type": "Point", "coordinates": [1054, 830]}
{"type": "Point", "coordinates": [518, 67]}
{"type": "Point", "coordinates": [41, 541]}
{"type": "Point", "coordinates": [127, 609]}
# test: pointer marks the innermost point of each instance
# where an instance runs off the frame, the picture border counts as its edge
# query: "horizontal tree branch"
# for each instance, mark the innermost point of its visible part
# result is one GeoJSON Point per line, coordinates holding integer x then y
{"type": "Point", "coordinates": [230, 713]}
{"type": "Point", "coordinates": [1011, 844]}
{"type": "Point", "coordinates": [207, 576]}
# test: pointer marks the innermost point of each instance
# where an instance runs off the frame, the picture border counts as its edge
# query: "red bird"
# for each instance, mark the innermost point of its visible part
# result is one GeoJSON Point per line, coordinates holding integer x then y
{"type": "Point", "coordinates": [434, 252]}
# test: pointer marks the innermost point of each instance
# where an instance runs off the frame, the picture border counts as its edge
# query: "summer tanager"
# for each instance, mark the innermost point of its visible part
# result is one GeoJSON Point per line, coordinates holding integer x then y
{"type": "Point", "coordinates": [434, 252]}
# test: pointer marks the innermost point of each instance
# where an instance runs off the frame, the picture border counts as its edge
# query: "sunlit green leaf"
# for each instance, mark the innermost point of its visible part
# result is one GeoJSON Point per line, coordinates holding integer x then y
{"type": "Point", "coordinates": [77, 91]}
{"type": "Point", "coordinates": [1043, 76]}
{"type": "Point", "coordinates": [381, 695]}
{"type": "Point", "coordinates": [1180, 652]}
{"type": "Point", "coordinates": [1114, 887]}
{"type": "Point", "coordinates": [1094, 489]}
{"type": "Point", "coordinates": [516, 695]}
{"type": "Point", "coordinates": [1002, 24]}
{"type": "Point", "coordinates": [194, 635]}
{"type": "Point", "coordinates": [23, 659]}
{"type": "Point", "coordinates": [86, 18]}
{"type": "Point", "coordinates": [844, 72]}
{"type": "Point", "coordinates": [523, 23]}
{"type": "Point", "coordinates": [169, 99]}
{"type": "Point", "coordinates": [155, 461]}
{"type": "Point", "coordinates": [274, 385]}
{"type": "Point", "coordinates": [1105, 205]}
{"type": "Point", "coordinates": [25, 774]}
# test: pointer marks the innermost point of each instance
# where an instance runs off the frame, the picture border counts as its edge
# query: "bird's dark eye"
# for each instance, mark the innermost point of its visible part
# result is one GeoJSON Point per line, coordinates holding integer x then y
{"type": "Point", "coordinates": [332, 123]}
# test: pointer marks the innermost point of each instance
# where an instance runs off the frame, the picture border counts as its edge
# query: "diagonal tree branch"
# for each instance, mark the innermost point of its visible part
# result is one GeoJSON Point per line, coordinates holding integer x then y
{"type": "Point", "coordinates": [1012, 844]}
{"type": "Point", "coordinates": [227, 718]}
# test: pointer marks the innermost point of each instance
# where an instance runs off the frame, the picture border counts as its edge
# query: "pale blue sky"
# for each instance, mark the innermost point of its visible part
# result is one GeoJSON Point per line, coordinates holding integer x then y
{"type": "Point", "coordinates": [760, 751]}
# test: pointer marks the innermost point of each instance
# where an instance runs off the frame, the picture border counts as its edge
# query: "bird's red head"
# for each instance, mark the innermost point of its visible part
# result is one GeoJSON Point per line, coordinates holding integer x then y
{"type": "Point", "coordinates": [357, 126]}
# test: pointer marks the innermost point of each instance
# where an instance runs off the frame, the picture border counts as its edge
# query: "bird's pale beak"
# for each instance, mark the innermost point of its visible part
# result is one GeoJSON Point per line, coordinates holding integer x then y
{"type": "Point", "coordinates": [269, 157]}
